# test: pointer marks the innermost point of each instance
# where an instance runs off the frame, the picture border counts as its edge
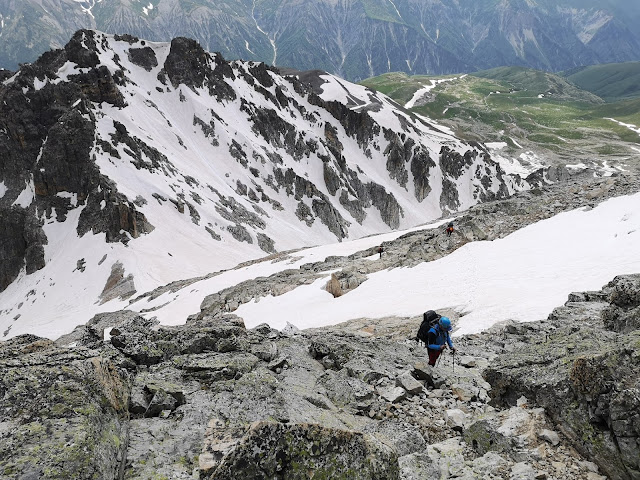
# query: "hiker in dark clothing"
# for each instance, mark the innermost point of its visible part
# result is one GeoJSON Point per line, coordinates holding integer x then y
{"type": "Point", "coordinates": [438, 338]}
{"type": "Point", "coordinates": [449, 229]}
{"type": "Point", "coordinates": [380, 250]}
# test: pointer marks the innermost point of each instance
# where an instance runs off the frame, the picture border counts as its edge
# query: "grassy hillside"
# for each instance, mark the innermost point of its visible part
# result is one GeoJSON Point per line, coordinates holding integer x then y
{"type": "Point", "coordinates": [612, 82]}
{"type": "Point", "coordinates": [537, 82]}
{"type": "Point", "coordinates": [528, 110]}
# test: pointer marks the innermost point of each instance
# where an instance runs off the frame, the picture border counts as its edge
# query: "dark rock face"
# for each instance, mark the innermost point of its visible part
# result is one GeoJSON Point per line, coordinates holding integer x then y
{"type": "Point", "coordinates": [386, 203]}
{"type": "Point", "coordinates": [398, 154]}
{"type": "Point", "coordinates": [240, 233]}
{"type": "Point", "coordinates": [356, 124]}
{"type": "Point", "coordinates": [453, 165]}
{"type": "Point", "coordinates": [421, 164]}
{"type": "Point", "coordinates": [100, 86]}
{"type": "Point", "coordinates": [188, 64]}
{"type": "Point", "coordinates": [119, 220]}
{"type": "Point", "coordinates": [81, 49]}
{"type": "Point", "coordinates": [331, 178]}
{"type": "Point", "coordinates": [328, 215]}
{"type": "Point", "coordinates": [144, 57]}
{"type": "Point", "coordinates": [321, 206]}
{"type": "Point", "coordinates": [586, 376]}
{"type": "Point", "coordinates": [143, 155]}
{"type": "Point", "coordinates": [266, 243]}
{"type": "Point", "coordinates": [118, 286]}
{"type": "Point", "coordinates": [22, 245]}
{"type": "Point", "coordinates": [623, 314]}
{"type": "Point", "coordinates": [65, 165]}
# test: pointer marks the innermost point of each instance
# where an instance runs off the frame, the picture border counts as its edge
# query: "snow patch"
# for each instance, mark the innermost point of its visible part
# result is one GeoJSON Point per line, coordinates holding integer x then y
{"type": "Point", "coordinates": [27, 196]}
{"type": "Point", "coordinates": [396, 9]}
{"type": "Point", "coordinates": [69, 68]}
{"type": "Point", "coordinates": [608, 170]}
{"type": "Point", "coordinates": [577, 166]}
{"type": "Point", "coordinates": [427, 88]}
{"type": "Point", "coordinates": [526, 163]}
{"type": "Point", "coordinates": [174, 308]}
{"type": "Point", "coordinates": [496, 145]}
{"type": "Point", "coordinates": [106, 334]}
{"type": "Point", "coordinates": [630, 126]}
{"type": "Point", "coordinates": [38, 84]}
{"type": "Point", "coordinates": [3, 189]}
{"type": "Point", "coordinates": [73, 197]}
{"type": "Point", "coordinates": [11, 79]}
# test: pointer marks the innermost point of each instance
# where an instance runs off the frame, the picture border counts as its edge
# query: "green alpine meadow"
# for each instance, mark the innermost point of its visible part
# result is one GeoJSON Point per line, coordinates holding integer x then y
{"type": "Point", "coordinates": [568, 118]}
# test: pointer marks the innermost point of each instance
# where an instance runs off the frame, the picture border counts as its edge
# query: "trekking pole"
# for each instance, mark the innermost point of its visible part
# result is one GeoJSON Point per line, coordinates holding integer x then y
{"type": "Point", "coordinates": [454, 361]}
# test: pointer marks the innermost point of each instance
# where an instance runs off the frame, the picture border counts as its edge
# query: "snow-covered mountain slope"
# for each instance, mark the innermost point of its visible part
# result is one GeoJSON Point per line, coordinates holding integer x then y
{"type": "Point", "coordinates": [125, 165]}
{"type": "Point", "coordinates": [521, 277]}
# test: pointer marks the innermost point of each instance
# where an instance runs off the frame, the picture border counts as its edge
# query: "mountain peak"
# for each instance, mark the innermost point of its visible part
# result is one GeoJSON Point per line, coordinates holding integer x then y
{"type": "Point", "coordinates": [162, 161]}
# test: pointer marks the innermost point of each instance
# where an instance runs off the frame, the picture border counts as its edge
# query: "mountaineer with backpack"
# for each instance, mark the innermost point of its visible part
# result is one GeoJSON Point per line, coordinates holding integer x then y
{"type": "Point", "coordinates": [438, 336]}
{"type": "Point", "coordinates": [449, 229]}
{"type": "Point", "coordinates": [434, 332]}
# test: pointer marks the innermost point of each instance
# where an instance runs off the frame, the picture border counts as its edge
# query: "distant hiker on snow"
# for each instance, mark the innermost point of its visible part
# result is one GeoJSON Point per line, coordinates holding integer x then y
{"type": "Point", "coordinates": [438, 338]}
{"type": "Point", "coordinates": [380, 250]}
{"type": "Point", "coordinates": [449, 229]}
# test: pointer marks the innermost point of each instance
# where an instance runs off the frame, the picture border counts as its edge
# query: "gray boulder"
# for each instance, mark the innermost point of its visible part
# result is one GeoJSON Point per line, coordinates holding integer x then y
{"type": "Point", "coordinates": [291, 451]}
{"type": "Point", "coordinates": [586, 376]}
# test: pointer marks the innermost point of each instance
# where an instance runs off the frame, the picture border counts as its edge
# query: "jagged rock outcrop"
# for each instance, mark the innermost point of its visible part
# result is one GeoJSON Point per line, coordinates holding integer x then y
{"type": "Point", "coordinates": [583, 367]}
{"type": "Point", "coordinates": [64, 412]}
{"type": "Point", "coordinates": [22, 245]}
{"type": "Point", "coordinates": [271, 449]}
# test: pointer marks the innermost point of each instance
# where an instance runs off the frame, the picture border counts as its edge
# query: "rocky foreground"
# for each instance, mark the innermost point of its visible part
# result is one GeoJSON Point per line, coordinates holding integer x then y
{"type": "Point", "coordinates": [123, 398]}
{"type": "Point", "coordinates": [554, 399]}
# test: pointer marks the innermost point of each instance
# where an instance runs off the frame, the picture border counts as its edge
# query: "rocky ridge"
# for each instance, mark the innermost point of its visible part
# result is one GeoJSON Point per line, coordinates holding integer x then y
{"type": "Point", "coordinates": [213, 400]}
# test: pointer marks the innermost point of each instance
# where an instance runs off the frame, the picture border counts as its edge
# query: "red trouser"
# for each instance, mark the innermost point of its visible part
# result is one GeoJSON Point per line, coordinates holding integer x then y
{"type": "Point", "coordinates": [433, 355]}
